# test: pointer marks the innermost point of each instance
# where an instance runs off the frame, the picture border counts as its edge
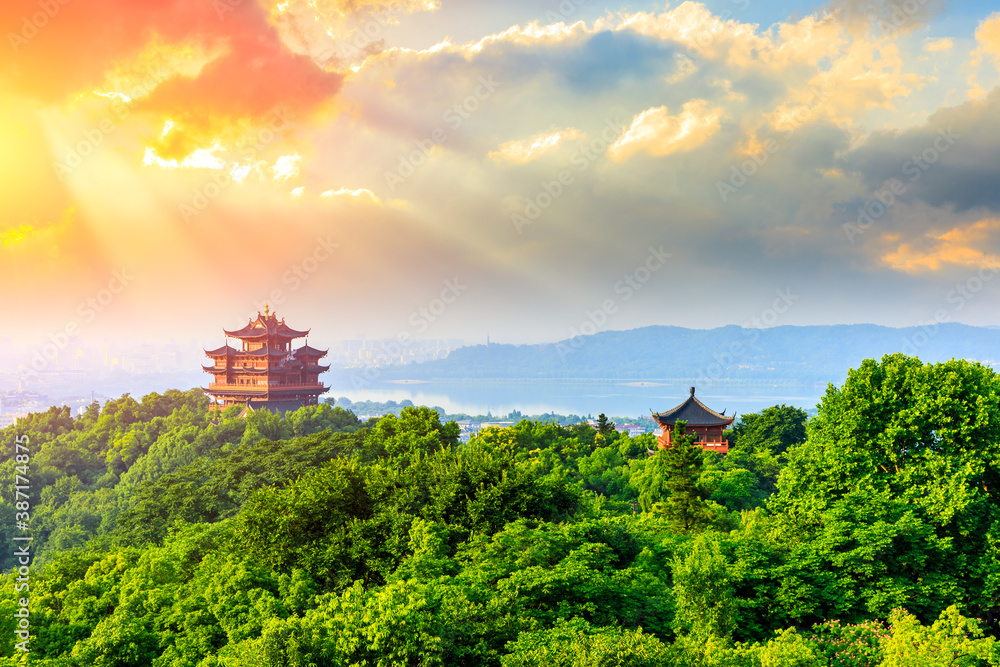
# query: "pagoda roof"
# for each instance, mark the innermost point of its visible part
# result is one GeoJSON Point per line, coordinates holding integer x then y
{"type": "Point", "coordinates": [308, 350]}
{"type": "Point", "coordinates": [694, 412]}
{"type": "Point", "coordinates": [263, 352]}
{"type": "Point", "coordinates": [224, 350]}
{"type": "Point", "coordinates": [241, 370]}
{"type": "Point", "coordinates": [266, 324]}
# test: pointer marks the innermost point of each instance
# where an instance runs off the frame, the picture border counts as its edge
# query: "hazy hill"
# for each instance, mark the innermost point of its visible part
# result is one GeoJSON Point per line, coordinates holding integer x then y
{"type": "Point", "coordinates": [805, 354]}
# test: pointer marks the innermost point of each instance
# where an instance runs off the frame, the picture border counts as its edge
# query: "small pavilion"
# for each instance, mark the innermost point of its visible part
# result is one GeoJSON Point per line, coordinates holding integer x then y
{"type": "Point", "coordinates": [707, 424]}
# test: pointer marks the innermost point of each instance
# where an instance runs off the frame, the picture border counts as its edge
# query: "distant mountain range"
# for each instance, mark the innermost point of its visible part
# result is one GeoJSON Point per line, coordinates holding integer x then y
{"type": "Point", "coordinates": [809, 354]}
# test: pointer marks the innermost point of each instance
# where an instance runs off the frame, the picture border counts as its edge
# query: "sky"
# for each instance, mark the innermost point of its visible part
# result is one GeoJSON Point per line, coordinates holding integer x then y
{"type": "Point", "coordinates": [523, 170]}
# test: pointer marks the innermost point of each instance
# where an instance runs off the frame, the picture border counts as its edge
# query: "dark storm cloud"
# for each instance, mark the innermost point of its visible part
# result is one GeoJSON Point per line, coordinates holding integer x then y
{"type": "Point", "coordinates": [949, 161]}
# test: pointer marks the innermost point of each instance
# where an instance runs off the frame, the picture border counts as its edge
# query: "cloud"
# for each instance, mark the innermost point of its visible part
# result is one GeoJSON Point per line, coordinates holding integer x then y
{"type": "Point", "coordinates": [203, 158]}
{"type": "Point", "coordinates": [960, 246]}
{"type": "Point", "coordinates": [938, 45]}
{"type": "Point", "coordinates": [360, 194]}
{"type": "Point", "coordinates": [988, 37]}
{"type": "Point", "coordinates": [888, 16]}
{"type": "Point", "coordinates": [524, 151]}
{"type": "Point", "coordinates": [658, 133]}
{"type": "Point", "coordinates": [202, 64]}
{"type": "Point", "coordinates": [950, 161]}
{"type": "Point", "coordinates": [15, 235]}
{"type": "Point", "coordinates": [286, 167]}
{"type": "Point", "coordinates": [340, 34]}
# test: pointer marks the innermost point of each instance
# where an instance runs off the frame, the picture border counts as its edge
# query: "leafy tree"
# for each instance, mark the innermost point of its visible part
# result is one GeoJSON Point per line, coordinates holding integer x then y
{"type": "Point", "coordinates": [893, 499]}
{"type": "Point", "coordinates": [415, 430]}
{"type": "Point", "coordinates": [604, 427]}
{"type": "Point", "coordinates": [951, 640]}
{"type": "Point", "coordinates": [758, 443]}
{"type": "Point", "coordinates": [703, 588]}
{"type": "Point", "coordinates": [849, 644]}
{"type": "Point", "coordinates": [682, 466]}
{"type": "Point", "coordinates": [118, 642]}
{"type": "Point", "coordinates": [577, 643]}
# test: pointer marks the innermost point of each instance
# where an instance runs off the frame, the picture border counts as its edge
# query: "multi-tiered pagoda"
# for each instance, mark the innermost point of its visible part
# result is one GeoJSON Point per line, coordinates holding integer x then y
{"type": "Point", "coordinates": [701, 420]}
{"type": "Point", "coordinates": [266, 372]}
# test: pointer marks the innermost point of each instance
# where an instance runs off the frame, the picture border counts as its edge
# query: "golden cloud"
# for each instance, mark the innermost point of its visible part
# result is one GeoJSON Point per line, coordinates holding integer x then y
{"type": "Point", "coordinates": [938, 45]}
{"type": "Point", "coordinates": [988, 37]}
{"type": "Point", "coordinates": [524, 151]}
{"type": "Point", "coordinates": [359, 195]}
{"type": "Point", "coordinates": [960, 246]}
{"type": "Point", "coordinates": [658, 133]}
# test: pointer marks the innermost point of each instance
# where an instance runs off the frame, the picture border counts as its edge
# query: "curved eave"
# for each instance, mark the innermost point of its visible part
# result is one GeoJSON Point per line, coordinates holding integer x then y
{"type": "Point", "coordinates": [264, 352]}
{"type": "Point", "coordinates": [245, 335]}
{"type": "Point", "coordinates": [663, 420]}
{"type": "Point", "coordinates": [309, 351]}
{"type": "Point", "coordinates": [263, 334]}
{"type": "Point", "coordinates": [702, 415]}
{"type": "Point", "coordinates": [288, 332]}
{"type": "Point", "coordinates": [221, 351]}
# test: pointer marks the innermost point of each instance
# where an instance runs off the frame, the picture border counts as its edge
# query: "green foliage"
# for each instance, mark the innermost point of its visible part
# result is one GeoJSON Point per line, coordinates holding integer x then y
{"type": "Point", "coordinates": [416, 430]}
{"type": "Point", "coordinates": [951, 640]}
{"type": "Point", "coordinates": [849, 644]}
{"type": "Point", "coordinates": [681, 467]}
{"type": "Point", "coordinates": [702, 586]}
{"type": "Point", "coordinates": [893, 500]}
{"type": "Point", "coordinates": [170, 537]}
{"type": "Point", "coordinates": [576, 643]}
{"type": "Point", "coordinates": [758, 442]}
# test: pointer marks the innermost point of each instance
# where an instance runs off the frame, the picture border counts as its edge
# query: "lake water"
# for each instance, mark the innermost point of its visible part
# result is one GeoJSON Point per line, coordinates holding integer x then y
{"type": "Point", "coordinates": [623, 399]}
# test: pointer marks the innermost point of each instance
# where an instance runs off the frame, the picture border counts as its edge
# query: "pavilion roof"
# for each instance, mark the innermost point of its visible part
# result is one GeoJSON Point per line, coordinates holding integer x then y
{"type": "Point", "coordinates": [224, 350]}
{"type": "Point", "coordinates": [266, 324]}
{"type": "Point", "coordinates": [263, 352]}
{"type": "Point", "coordinates": [306, 350]}
{"type": "Point", "coordinates": [694, 412]}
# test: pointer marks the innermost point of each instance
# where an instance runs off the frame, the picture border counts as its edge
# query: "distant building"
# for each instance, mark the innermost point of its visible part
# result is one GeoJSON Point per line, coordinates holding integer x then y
{"type": "Point", "coordinates": [632, 429]}
{"type": "Point", "coordinates": [266, 373]}
{"type": "Point", "coordinates": [708, 424]}
{"type": "Point", "coordinates": [467, 429]}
